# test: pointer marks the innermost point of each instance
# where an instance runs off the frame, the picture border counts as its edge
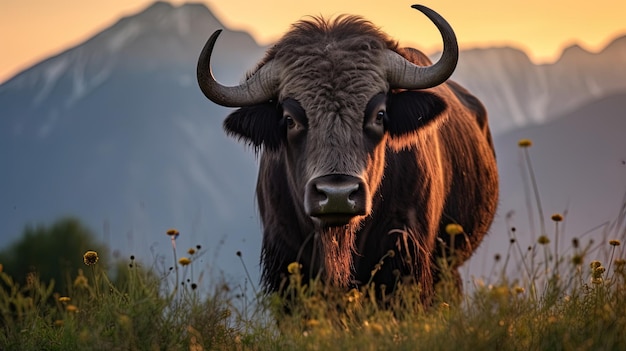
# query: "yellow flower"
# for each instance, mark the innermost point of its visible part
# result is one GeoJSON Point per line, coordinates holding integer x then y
{"type": "Point", "coordinates": [191, 251]}
{"type": "Point", "coordinates": [557, 217]}
{"type": "Point", "coordinates": [543, 240]}
{"type": "Point", "coordinates": [614, 242]}
{"type": "Point", "coordinates": [64, 299]}
{"type": "Point", "coordinates": [71, 308]}
{"type": "Point", "coordinates": [454, 229]}
{"type": "Point", "coordinates": [524, 143]}
{"type": "Point", "coordinates": [184, 261]}
{"type": "Point", "coordinates": [90, 258]}
{"type": "Point", "coordinates": [172, 232]}
{"type": "Point", "coordinates": [294, 268]}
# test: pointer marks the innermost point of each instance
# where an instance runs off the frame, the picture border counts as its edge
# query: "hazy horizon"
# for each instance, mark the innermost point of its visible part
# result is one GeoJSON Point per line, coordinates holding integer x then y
{"type": "Point", "coordinates": [540, 29]}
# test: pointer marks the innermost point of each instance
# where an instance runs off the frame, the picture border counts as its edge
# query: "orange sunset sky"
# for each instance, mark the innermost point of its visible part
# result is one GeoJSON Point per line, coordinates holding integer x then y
{"type": "Point", "coordinates": [31, 30]}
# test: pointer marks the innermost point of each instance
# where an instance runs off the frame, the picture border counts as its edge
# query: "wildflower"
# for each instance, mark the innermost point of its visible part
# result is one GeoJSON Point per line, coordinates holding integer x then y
{"type": "Point", "coordinates": [294, 268]}
{"type": "Point", "coordinates": [71, 308]}
{"type": "Point", "coordinates": [524, 143]}
{"type": "Point", "coordinates": [124, 321]}
{"type": "Point", "coordinates": [614, 242]}
{"type": "Point", "coordinates": [81, 280]}
{"type": "Point", "coordinates": [595, 264]}
{"type": "Point", "coordinates": [90, 258]}
{"type": "Point", "coordinates": [184, 261]}
{"type": "Point", "coordinates": [557, 217]}
{"type": "Point", "coordinates": [543, 240]}
{"type": "Point", "coordinates": [173, 232]}
{"type": "Point", "coordinates": [191, 251]}
{"type": "Point", "coordinates": [64, 299]}
{"type": "Point", "coordinates": [454, 229]}
{"type": "Point", "coordinates": [519, 290]}
{"type": "Point", "coordinates": [577, 260]}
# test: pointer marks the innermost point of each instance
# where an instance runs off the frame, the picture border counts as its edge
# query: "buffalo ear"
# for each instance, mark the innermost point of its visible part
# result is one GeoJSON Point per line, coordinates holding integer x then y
{"type": "Point", "coordinates": [257, 125]}
{"type": "Point", "coordinates": [410, 111]}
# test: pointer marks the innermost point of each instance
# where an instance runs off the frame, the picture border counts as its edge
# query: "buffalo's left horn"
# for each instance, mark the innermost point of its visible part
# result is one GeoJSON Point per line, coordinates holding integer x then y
{"type": "Point", "coordinates": [403, 74]}
{"type": "Point", "coordinates": [260, 87]}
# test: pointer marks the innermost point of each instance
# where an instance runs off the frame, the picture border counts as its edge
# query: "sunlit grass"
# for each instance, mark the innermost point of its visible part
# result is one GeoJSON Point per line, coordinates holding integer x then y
{"type": "Point", "coordinates": [574, 299]}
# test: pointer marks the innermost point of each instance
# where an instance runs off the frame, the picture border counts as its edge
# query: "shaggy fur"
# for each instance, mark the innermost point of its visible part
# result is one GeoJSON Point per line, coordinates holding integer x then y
{"type": "Point", "coordinates": [426, 158]}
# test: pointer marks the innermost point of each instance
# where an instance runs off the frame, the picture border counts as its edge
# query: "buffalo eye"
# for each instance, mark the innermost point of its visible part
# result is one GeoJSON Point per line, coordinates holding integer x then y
{"type": "Point", "coordinates": [380, 117]}
{"type": "Point", "coordinates": [289, 122]}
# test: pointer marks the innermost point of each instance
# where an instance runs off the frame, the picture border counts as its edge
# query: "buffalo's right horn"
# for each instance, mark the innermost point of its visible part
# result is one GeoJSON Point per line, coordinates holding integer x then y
{"type": "Point", "coordinates": [260, 87]}
{"type": "Point", "coordinates": [403, 74]}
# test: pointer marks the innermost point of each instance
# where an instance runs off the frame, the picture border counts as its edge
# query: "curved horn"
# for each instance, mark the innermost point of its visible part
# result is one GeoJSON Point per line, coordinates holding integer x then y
{"type": "Point", "coordinates": [260, 87]}
{"type": "Point", "coordinates": [403, 74]}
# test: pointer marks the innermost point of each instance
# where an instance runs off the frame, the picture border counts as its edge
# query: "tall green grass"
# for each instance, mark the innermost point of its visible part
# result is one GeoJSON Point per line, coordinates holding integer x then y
{"type": "Point", "coordinates": [570, 300]}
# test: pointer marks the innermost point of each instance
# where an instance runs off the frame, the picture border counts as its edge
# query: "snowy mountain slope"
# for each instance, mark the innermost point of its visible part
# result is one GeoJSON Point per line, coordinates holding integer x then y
{"type": "Point", "coordinates": [116, 132]}
{"type": "Point", "coordinates": [518, 93]}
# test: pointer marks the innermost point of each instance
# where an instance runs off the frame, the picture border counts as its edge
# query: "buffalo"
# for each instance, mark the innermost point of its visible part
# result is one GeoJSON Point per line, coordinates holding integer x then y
{"type": "Point", "coordinates": [367, 151]}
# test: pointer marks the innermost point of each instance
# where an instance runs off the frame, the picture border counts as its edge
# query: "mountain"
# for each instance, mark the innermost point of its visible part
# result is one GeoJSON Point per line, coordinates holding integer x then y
{"type": "Point", "coordinates": [518, 93]}
{"type": "Point", "coordinates": [116, 132]}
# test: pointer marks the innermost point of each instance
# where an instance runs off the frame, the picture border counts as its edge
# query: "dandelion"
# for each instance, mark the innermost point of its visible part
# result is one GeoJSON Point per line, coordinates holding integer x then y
{"type": "Point", "coordinates": [557, 217]}
{"type": "Point", "coordinates": [294, 268]}
{"type": "Point", "coordinates": [184, 261]}
{"type": "Point", "coordinates": [614, 242]}
{"type": "Point", "coordinates": [64, 299]}
{"type": "Point", "coordinates": [90, 258]}
{"type": "Point", "coordinates": [191, 251]}
{"type": "Point", "coordinates": [543, 240]}
{"type": "Point", "coordinates": [524, 143]}
{"type": "Point", "coordinates": [454, 229]}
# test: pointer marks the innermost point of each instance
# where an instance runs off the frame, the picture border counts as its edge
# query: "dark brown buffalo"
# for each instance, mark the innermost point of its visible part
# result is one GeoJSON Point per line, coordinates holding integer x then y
{"type": "Point", "coordinates": [365, 149]}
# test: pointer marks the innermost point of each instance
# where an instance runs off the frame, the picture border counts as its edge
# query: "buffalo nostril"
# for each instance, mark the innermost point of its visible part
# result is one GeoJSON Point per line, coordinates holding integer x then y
{"type": "Point", "coordinates": [336, 197]}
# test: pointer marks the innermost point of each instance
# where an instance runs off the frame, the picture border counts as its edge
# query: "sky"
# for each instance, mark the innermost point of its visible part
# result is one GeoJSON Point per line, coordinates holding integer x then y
{"type": "Point", "coordinates": [32, 30]}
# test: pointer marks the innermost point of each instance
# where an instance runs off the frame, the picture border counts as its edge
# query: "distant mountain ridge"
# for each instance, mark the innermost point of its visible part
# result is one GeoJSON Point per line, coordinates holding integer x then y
{"type": "Point", "coordinates": [116, 131]}
{"type": "Point", "coordinates": [517, 92]}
